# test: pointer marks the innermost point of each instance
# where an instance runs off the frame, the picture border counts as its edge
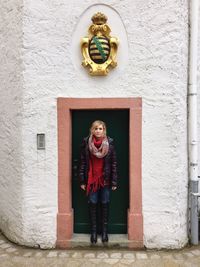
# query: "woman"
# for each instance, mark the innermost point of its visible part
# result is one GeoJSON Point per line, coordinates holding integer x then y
{"type": "Point", "coordinates": [98, 174]}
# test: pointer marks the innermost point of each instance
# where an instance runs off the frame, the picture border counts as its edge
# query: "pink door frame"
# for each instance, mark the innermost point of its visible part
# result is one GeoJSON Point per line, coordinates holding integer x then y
{"type": "Point", "coordinates": [65, 211]}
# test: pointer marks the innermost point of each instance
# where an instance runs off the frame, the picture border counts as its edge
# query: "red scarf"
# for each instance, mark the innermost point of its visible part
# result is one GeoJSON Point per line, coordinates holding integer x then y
{"type": "Point", "coordinates": [95, 174]}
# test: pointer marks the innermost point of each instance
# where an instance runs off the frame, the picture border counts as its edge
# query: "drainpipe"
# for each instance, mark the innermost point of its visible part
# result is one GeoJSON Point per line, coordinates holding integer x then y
{"type": "Point", "coordinates": [192, 122]}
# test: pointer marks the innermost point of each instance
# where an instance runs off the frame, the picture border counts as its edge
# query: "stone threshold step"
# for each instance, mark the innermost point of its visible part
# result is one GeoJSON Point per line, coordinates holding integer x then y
{"type": "Point", "coordinates": [115, 241]}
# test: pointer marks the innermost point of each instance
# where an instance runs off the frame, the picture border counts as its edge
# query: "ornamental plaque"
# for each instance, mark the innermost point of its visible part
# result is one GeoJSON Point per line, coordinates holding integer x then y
{"type": "Point", "coordinates": [99, 49]}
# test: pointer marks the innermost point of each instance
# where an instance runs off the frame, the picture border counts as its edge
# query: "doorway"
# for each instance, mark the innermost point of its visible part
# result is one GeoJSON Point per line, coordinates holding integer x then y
{"type": "Point", "coordinates": [65, 215]}
{"type": "Point", "coordinates": [117, 122]}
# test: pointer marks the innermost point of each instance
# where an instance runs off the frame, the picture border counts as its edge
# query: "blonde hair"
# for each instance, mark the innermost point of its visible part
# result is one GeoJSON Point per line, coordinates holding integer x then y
{"type": "Point", "coordinates": [97, 123]}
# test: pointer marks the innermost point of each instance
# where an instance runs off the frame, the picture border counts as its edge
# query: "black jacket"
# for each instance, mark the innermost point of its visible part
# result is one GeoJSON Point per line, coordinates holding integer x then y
{"type": "Point", "coordinates": [110, 163]}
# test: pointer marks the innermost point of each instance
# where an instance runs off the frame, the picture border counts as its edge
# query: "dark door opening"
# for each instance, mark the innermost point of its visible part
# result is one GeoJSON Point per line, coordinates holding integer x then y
{"type": "Point", "coordinates": [117, 122]}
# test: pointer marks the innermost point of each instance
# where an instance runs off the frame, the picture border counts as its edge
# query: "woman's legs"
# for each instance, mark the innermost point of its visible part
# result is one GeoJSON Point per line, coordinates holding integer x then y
{"type": "Point", "coordinates": [102, 195]}
{"type": "Point", "coordinates": [93, 199]}
{"type": "Point", "coordinates": [105, 199]}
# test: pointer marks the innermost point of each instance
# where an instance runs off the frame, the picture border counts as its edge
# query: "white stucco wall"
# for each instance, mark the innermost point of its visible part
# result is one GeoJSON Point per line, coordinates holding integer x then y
{"type": "Point", "coordinates": [11, 217]}
{"type": "Point", "coordinates": [198, 92]}
{"type": "Point", "coordinates": [156, 70]}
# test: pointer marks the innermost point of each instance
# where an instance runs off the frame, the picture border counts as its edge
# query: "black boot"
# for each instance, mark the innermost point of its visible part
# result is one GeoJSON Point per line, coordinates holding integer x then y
{"type": "Point", "coordinates": [93, 221]}
{"type": "Point", "coordinates": [104, 210]}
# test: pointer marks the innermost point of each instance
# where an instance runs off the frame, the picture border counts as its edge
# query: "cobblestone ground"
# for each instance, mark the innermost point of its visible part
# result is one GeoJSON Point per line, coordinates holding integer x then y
{"type": "Point", "coordinates": [17, 256]}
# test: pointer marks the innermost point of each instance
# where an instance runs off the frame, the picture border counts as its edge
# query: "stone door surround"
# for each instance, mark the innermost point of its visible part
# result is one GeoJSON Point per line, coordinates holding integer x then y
{"type": "Point", "coordinates": [65, 212]}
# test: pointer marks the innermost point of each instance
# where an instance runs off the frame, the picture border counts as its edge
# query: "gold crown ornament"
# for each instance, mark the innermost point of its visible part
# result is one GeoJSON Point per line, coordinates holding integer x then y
{"type": "Point", "coordinates": [99, 49]}
{"type": "Point", "coordinates": [99, 18]}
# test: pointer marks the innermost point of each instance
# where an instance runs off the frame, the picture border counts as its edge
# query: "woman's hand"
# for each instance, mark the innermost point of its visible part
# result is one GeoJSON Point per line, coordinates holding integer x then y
{"type": "Point", "coordinates": [83, 186]}
{"type": "Point", "coordinates": [114, 188]}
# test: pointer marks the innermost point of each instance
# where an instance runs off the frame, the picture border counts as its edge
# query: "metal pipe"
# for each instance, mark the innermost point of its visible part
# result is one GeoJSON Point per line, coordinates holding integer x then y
{"type": "Point", "coordinates": [192, 121]}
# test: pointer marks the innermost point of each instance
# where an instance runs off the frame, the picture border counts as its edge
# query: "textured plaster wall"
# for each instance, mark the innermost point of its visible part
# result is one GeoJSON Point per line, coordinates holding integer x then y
{"type": "Point", "coordinates": [11, 196]}
{"type": "Point", "coordinates": [157, 34]}
{"type": "Point", "coordinates": [198, 92]}
{"type": "Point", "coordinates": [156, 70]}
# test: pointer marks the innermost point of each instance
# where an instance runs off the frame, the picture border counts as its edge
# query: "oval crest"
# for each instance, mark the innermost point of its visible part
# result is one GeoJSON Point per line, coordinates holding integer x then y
{"type": "Point", "coordinates": [99, 49]}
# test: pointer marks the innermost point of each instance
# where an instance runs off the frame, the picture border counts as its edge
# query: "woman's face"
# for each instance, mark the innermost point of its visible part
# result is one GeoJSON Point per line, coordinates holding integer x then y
{"type": "Point", "coordinates": [98, 131]}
